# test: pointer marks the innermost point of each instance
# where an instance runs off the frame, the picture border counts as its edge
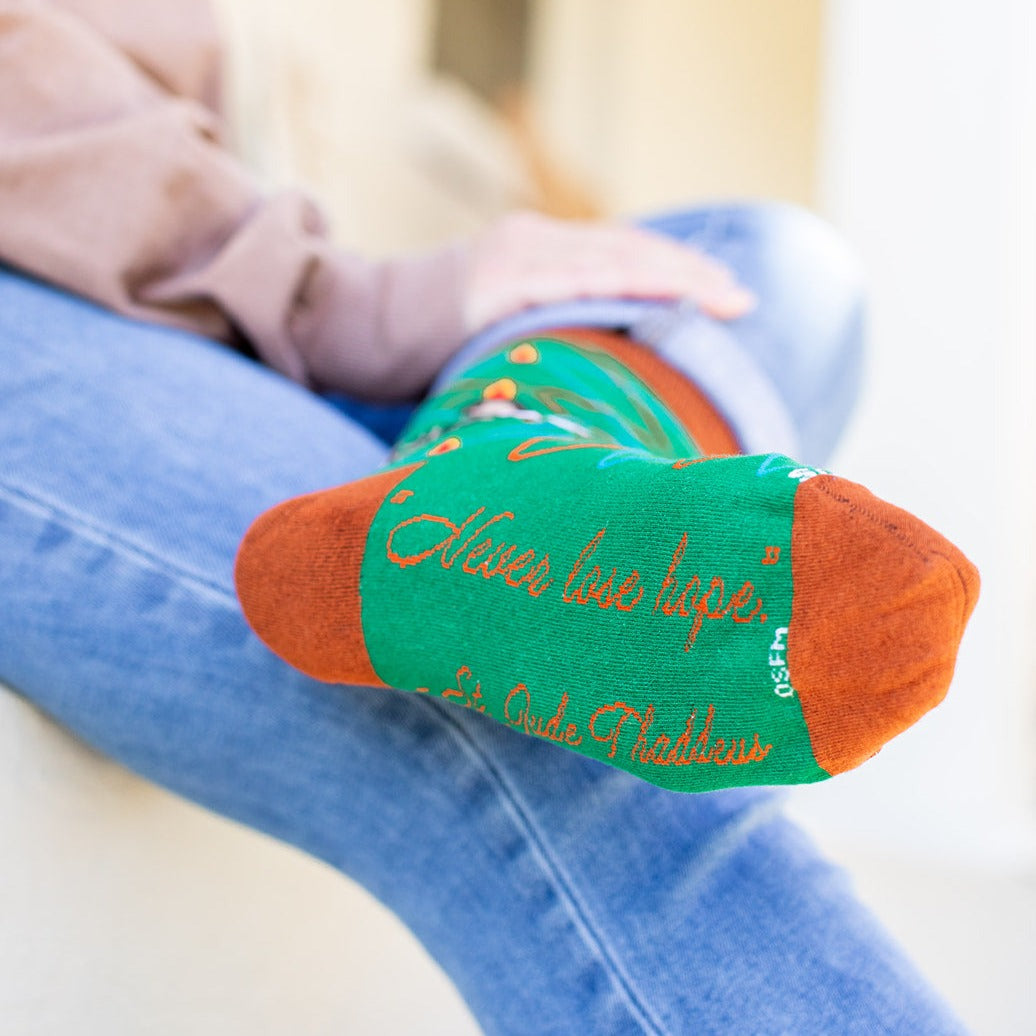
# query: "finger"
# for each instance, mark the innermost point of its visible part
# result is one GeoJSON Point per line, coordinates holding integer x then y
{"type": "Point", "coordinates": [663, 268]}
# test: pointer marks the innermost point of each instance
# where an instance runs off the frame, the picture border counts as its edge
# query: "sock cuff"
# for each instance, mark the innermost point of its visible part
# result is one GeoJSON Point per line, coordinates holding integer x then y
{"type": "Point", "coordinates": [710, 355]}
{"type": "Point", "coordinates": [703, 351]}
{"type": "Point", "coordinates": [711, 433]}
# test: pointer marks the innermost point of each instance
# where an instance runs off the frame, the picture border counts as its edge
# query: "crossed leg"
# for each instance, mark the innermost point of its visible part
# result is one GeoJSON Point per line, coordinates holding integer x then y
{"type": "Point", "coordinates": [560, 896]}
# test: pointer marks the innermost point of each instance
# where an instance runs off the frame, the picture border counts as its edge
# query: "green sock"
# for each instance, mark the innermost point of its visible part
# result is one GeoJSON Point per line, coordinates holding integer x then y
{"type": "Point", "coordinates": [551, 547]}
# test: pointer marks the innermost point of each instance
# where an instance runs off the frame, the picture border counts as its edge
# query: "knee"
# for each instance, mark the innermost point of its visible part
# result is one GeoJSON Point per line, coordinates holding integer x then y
{"type": "Point", "coordinates": [805, 250]}
{"type": "Point", "coordinates": [807, 330]}
{"type": "Point", "coordinates": [811, 287]}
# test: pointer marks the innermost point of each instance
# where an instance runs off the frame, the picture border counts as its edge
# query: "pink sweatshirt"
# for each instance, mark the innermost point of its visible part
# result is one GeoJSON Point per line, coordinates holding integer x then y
{"type": "Point", "coordinates": [113, 184]}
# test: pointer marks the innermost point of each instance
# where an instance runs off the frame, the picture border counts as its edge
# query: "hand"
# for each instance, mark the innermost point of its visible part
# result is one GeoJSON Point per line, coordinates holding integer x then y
{"type": "Point", "coordinates": [383, 330]}
{"type": "Point", "coordinates": [526, 259]}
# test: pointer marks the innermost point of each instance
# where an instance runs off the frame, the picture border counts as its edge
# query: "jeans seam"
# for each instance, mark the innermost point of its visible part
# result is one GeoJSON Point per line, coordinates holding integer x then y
{"type": "Point", "coordinates": [103, 536]}
{"type": "Point", "coordinates": [605, 956]}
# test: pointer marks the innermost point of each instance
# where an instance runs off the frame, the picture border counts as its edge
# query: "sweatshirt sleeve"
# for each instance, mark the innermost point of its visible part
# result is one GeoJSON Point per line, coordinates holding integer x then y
{"type": "Point", "coordinates": [113, 184]}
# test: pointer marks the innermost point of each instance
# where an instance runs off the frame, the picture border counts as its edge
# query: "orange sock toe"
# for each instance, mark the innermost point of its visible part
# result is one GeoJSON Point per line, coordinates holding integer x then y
{"type": "Point", "coordinates": [879, 608]}
{"type": "Point", "coordinates": [298, 577]}
{"type": "Point", "coordinates": [566, 558]}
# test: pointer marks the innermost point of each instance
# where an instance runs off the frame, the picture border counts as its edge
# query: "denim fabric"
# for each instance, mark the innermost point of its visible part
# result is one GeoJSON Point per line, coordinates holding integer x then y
{"type": "Point", "coordinates": [786, 375]}
{"type": "Point", "coordinates": [561, 896]}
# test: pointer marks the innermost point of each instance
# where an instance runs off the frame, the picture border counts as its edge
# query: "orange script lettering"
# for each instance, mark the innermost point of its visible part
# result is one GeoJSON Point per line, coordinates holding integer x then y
{"type": "Point", "coordinates": [704, 604]}
{"type": "Point", "coordinates": [585, 585]}
{"type": "Point", "coordinates": [480, 554]}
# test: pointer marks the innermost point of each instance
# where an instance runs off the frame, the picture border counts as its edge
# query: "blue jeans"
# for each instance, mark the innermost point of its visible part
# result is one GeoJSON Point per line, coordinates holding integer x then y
{"type": "Point", "coordinates": [559, 895]}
